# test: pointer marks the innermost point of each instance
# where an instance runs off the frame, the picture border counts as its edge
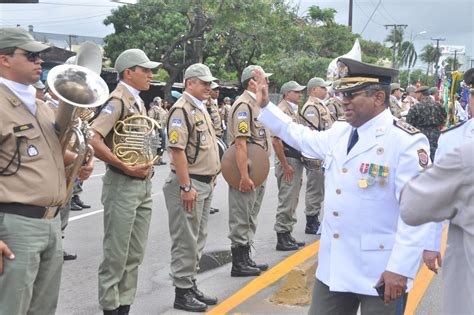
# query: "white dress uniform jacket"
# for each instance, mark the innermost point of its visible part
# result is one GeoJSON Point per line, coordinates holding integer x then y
{"type": "Point", "coordinates": [447, 142]}
{"type": "Point", "coordinates": [362, 233]}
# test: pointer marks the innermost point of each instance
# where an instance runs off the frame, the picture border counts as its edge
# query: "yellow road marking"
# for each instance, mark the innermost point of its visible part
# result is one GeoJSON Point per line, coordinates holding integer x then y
{"type": "Point", "coordinates": [266, 279]}
{"type": "Point", "coordinates": [422, 282]}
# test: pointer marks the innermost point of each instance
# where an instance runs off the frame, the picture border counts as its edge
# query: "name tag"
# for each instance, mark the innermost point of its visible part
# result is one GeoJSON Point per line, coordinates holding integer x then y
{"type": "Point", "coordinates": [23, 127]}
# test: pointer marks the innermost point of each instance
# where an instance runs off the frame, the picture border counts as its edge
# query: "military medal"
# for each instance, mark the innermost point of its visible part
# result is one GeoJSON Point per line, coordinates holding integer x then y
{"type": "Point", "coordinates": [372, 173]}
{"type": "Point", "coordinates": [364, 167]}
{"type": "Point", "coordinates": [383, 174]}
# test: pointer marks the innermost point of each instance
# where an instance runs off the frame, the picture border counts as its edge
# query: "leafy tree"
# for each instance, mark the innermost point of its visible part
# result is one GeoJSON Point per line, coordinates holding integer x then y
{"type": "Point", "coordinates": [374, 52]}
{"type": "Point", "coordinates": [417, 75]}
{"type": "Point", "coordinates": [429, 55]}
{"type": "Point", "coordinates": [403, 52]}
{"type": "Point", "coordinates": [449, 64]}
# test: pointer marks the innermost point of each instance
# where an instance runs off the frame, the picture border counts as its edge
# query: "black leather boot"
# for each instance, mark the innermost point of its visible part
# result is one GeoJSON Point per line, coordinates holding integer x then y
{"type": "Point", "coordinates": [252, 263]}
{"type": "Point", "coordinates": [240, 266]}
{"type": "Point", "coordinates": [294, 241]}
{"type": "Point", "coordinates": [312, 224]}
{"type": "Point", "coordinates": [74, 206]}
{"type": "Point", "coordinates": [123, 310]}
{"type": "Point", "coordinates": [79, 202]}
{"type": "Point", "coordinates": [186, 301]}
{"type": "Point", "coordinates": [284, 243]}
{"type": "Point", "coordinates": [198, 294]}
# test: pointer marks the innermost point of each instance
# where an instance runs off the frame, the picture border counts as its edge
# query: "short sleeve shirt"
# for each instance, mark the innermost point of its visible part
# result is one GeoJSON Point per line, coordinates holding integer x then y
{"type": "Point", "coordinates": [316, 115]}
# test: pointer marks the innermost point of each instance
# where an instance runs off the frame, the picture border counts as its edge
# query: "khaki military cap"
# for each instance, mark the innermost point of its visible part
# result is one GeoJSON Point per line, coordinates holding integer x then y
{"type": "Point", "coordinates": [291, 86]}
{"type": "Point", "coordinates": [20, 38]}
{"type": "Point", "coordinates": [227, 99]}
{"type": "Point", "coordinates": [355, 75]}
{"type": "Point", "coordinates": [394, 86]}
{"type": "Point", "coordinates": [214, 85]}
{"type": "Point", "coordinates": [200, 71]}
{"type": "Point", "coordinates": [39, 85]}
{"type": "Point", "coordinates": [422, 89]}
{"type": "Point", "coordinates": [134, 57]}
{"type": "Point", "coordinates": [248, 72]}
{"type": "Point", "coordinates": [317, 82]}
{"type": "Point", "coordinates": [411, 89]}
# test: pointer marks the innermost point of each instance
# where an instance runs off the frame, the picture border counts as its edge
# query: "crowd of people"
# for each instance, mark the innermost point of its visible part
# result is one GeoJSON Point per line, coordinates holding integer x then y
{"type": "Point", "coordinates": [365, 146]}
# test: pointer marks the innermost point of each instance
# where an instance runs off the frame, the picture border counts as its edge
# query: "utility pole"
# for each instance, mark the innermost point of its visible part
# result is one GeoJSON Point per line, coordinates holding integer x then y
{"type": "Point", "coordinates": [198, 41]}
{"type": "Point", "coordinates": [351, 2]}
{"type": "Point", "coordinates": [70, 41]}
{"type": "Point", "coordinates": [394, 47]}
{"type": "Point", "coordinates": [454, 63]}
{"type": "Point", "coordinates": [437, 57]}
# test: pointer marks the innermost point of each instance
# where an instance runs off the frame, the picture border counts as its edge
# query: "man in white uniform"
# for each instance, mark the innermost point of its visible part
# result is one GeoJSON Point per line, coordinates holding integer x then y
{"type": "Point", "coordinates": [367, 160]}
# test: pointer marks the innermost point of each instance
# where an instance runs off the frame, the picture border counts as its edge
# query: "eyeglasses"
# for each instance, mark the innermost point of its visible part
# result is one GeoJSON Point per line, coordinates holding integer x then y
{"type": "Point", "coordinates": [30, 56]}
{"type": "Point", "coordinates": [349, 95]}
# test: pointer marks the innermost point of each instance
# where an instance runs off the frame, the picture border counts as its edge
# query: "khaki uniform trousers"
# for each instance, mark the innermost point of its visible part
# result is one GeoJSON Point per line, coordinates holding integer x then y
{"type": "Point", "coordinates": [30, 283]}
{"type": "Point", "coordinates": [243, 212]}
{"type": "Point", "coordinates": [127, 214]}
{"type": "Point", "coordinates": [288, 195]}
{"type": "Point", "coordinates": [188, 231]}
{"type": "Point", "coordinates": [314, 192]}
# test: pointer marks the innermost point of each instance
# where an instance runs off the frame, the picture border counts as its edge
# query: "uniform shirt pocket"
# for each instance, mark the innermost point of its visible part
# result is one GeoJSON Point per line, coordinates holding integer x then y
{"type": "Point", "coordinates": [375, 252]}
{"type": "Point", "coordinates": [30, 145]}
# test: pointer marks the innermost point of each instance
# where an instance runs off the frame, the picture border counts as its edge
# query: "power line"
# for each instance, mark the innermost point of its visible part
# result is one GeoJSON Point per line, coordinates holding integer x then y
{"type": "Point", "coordinates": [388, 14]}
{"type": "Point", "coordinates": [367, 15]}
{"type": "Point", "coordinates": [370, 18]}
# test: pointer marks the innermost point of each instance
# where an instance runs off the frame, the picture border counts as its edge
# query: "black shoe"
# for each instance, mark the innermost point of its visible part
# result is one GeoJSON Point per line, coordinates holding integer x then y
{"type": "Point", "coordinates": [312, 224]}
{"type": "Point", "coordinates": [294, 241]}
{"type": "Point", "coordinates": [79, 202]}
{"type": "Point", "coordinates": [284, 243]}
{"type": "Point", "coordinates": [75, 206]}
{"type": "Point", "coordinates": [240, 266]}
{"type": "Point", "coordinates": [252, 263]}
{"type": "Point", "coordinates": [186, 301]}
{"type": "Point", "coordinates": [123, 310]}
{"type": "Point", "coordinates": [68, 256]}
{"type": "Point", "coordinates": [112, 312]}
{"type": "Point", "coordinates": [213, 210]}
{"type": "Point", "coordinates": [198, 294]}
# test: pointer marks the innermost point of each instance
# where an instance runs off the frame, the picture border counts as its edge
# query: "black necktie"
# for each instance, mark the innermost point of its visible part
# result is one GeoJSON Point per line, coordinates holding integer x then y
{"type": "Point", "coordinates": [353, 140]}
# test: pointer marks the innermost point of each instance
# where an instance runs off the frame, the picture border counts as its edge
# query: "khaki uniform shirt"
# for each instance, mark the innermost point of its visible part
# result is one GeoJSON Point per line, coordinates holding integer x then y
{"type": "Point", "coordinates": [395, 108]}
{"type": "Point", "coordinates": [111, 113]}
{"type": "Point", "coordinates": [316, 115]}
{"type": "Point", "coordinates": [40, 180]}
{"type": "Point", "coordinates": [159, 114]}
{"type": "Point", "coordinates": [243, 122]}
{"type": "Point", "coordinates": [213, 111]}
{"type": "Point", "coordinates": [336, 109]}
{"type": "Point", "coordinates": [191, 130]}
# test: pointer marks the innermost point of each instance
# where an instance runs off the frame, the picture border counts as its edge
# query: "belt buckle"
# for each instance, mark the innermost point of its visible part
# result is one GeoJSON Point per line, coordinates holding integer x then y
{"type": "Point", "coordinates": [50, 212]}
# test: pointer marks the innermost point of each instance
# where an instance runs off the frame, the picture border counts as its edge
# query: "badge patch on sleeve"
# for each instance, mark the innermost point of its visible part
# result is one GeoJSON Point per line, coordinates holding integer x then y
{"type": "Point", "coordinates": [423, 158]}
{"type": "Point", "coordinates": [311, 113]}
{"type": "Point", "coordinates": [243, 127]}
{"type": "Point", "coordinates": [109, 109]}
{"type": "Point", "coordinates": [242, 115]}
{"type": "Point", "coordinates": [174, 137]}
{"type": "Point", "coordinates": [32, 150]}
{"type": "Point", "coordinates": [176, 122]}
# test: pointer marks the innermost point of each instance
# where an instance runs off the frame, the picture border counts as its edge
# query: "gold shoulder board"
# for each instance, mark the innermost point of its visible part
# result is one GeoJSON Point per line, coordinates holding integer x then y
{"type": "Point", "coordinates": [453, 127]}
{"type": "Point", "coordinates": [403, 125]}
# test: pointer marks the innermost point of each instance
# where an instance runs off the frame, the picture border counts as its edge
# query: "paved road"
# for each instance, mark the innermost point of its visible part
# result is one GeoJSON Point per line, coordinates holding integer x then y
{"type": "Point", "coordinates": [155, 291]}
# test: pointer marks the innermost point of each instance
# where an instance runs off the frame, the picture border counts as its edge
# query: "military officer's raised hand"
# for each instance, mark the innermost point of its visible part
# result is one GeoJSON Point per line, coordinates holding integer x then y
{"type": "Point", "coordinates": [395, 286]}
{"type": "Point", "coordinates": [262, 88]}
{"type": "Point", "coordinates": [5, 251]}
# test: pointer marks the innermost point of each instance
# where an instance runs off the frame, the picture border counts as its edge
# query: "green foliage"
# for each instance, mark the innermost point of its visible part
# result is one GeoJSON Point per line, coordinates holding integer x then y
{"type": "Point", "coordinates": [374, 52]}
{"type": "Point", "coordinates": [403, 52]}
{"type": "Point", "coordinates": [449, 64]}
{"type": "Point", "coordinates": [415, 76]}
{"type": "Point", "coordinates": [429, 55]}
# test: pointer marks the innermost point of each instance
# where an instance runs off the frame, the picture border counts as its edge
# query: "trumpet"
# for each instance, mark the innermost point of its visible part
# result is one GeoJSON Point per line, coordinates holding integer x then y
{"type": "Point", "coordinates": [78, 89]}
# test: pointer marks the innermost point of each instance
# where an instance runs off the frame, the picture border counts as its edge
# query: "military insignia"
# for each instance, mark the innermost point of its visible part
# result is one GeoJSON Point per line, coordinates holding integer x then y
{"type": "Point", "coordinates": [363, 183]}
{"type": "Point", "coordinates": [242, 115]}
{"type": "Point", "coordinates": [131, 109]}
{"type": "Point", "coordinates": [380, 151]}
{"type": "Point", "coordinates": [176, 122]}
{"type": "Point", "coordinates": [109, 109]}
{"type": "Point", "coordinates": [423, 158]}
{"type": "Point", "coordinates": [454, 127]}
{"type": "Point", "coordinates": [32, 151]}
{"type": "Point", "coordinates": [405, 126]}
{"type": "Point", "coordinates": [261, 132]}
{"type": "Point", "coordinates": [193, 112]}
{"type": "Point", "coordinates": [174, 137]}
{"type": "Point", "coordinates": [203, 137]}
{"type": "Point", "coordinates": [23, 127]}
{"type": "Point", "coordinates": [243, 127]}
{"type": "Point", "coordinates": [199, 123]}
{"type": "Point", "coordinates": [311, 113]}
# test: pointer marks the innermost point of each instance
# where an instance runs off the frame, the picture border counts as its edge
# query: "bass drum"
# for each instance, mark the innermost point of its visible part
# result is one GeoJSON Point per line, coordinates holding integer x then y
{"type": "Point", "coordinates": [222, 147]}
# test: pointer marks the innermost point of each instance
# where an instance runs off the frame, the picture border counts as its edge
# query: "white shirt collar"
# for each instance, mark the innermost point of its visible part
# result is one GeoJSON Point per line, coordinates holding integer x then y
{"type": "Point", "coordinates": [252, 94]}
{"type": "Point", "coordinates": [26, 93]}
{"type": "Point", "coordinates": [293, 106]}
{"type": "Point", "coordinates": [135, 93]}
{"type": "Point", "coordinates": [377, 120]}
{"type": "Point", "coordinates": [197, 102]}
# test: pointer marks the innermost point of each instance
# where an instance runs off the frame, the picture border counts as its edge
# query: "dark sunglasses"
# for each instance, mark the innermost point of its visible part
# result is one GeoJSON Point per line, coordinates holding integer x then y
{"type": "Point", "coordinates": [30, 56]}
{"type": "Point", "coordinates": [348, 95]}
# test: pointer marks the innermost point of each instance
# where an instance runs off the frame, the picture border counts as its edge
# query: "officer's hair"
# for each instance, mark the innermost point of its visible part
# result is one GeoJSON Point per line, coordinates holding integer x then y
{"type": "Point", "coordinates": [373, 88]}
{"type": "Point", "coordinates": [245, 84]}
{"type": "Point", "coordinates": [121, 74]}
{"type": "Point", "coordinates": [9, 51]}
{"type": "Point", "coordinates": [189, 79]}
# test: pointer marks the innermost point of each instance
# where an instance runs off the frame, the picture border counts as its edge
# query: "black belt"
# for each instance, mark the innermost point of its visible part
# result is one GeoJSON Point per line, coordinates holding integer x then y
{"type": "Point", "coordinates": [29, 211]}
{"type": "Point", "coordinates": [200, 178]}
{"type": "Point", "coordinates": [119, 171]}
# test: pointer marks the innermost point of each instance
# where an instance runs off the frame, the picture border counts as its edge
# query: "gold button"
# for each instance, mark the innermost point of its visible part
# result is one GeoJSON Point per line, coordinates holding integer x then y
{"type": "Point", "coordinates": [381, 246]}
{"type": "Point", "coordinates": [336, 235]}
{"type": "Point", "coordinates": [338, 191]}
{"type": "Point", "coordinates": [335, 213]}
{"type": "Point", "coordinates": [344, 170]}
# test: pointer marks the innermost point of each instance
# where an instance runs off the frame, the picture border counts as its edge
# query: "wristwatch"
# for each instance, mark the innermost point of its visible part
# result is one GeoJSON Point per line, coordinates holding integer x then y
{"type": "Point", "coordinates": [186, 188]}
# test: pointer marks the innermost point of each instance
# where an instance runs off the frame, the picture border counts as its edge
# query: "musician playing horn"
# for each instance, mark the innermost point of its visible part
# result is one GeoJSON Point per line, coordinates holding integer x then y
{"type": "Point", "coordinates": [126, 193]}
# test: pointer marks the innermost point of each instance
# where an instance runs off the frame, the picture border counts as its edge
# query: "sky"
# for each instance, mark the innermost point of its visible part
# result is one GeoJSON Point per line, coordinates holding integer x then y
{"type": "Point", "coordinates": [449, 19]}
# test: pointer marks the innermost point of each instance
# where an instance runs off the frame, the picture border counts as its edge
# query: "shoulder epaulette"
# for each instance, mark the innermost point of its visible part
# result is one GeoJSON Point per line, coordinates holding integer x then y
{"type": "Point", "coordinates": [341, 118]}
{"type": "Point", "coordinates": [453, 127]}
{"type": "Point", "coordinates": [403, 125]}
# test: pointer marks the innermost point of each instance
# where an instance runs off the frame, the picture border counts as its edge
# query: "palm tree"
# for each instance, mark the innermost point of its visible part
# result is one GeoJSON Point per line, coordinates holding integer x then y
{"type": "Point", "coordinates": [408, 55]}
{"type": "Point", "coordinates": [449, 64]}
{"type": "Point", "coordinates": [429, 55]}
{"type": "Point", "coordinates": [395, 38]}
{"type": "Point", "coordinates": [403, 52]}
